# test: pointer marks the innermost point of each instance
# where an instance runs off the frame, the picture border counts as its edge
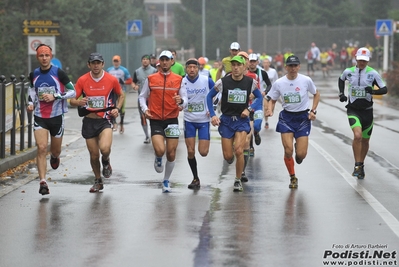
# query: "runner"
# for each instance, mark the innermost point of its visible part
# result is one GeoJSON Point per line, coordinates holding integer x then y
{"type": "Point", "coordinates": [166, 96]}
{"type": "Point", "coordinates": [196, 116]}
{"type": "Point", "coordinates": [234, 121]}
{"type": "Point", "coordinates": [49, 90]}
{"type": "Point", "coordinates": [295, 119]}
{"type": "Point", "coordinates": [362, 78]}
{"type": "Point", "coordinates": [102, 100]}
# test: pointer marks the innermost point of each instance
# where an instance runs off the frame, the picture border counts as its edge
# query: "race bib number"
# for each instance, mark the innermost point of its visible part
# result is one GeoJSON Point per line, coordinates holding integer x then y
{"type": "Point", "coordinates": [358, 92]}
{"type": "Point", "coordinates": [258, 115]}
{"type": "Point", "coordinates": [96, 101]}
{"type": "Point", "coordinates": [196, 107]}
{"type": "Point", "coordinates": [45, 90]}
{"type": "Point", "coordinates": [172, 130]}
{"type": "Point", "coordinates": [292, 98]}
{"type": "Point", "coordinates": [237, 96]}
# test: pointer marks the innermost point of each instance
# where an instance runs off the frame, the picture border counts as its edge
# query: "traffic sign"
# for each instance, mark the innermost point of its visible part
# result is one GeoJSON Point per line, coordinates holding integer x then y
{"type": "Point", "coordinates": [35, 41]}
{"type": "Point", "coordinates": [383, 27]}
{"type": "Point", "coordinates": [41, 27]}
{"type": "Point", "coordinates": [134, 28]}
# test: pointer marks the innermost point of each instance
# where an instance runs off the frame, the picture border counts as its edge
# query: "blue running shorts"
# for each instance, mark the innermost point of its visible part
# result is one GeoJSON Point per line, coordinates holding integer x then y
{"type": "Point", "coordinates": [191, 128]}
{"type": "Point", "coordinates": [229, 125]}
{"type": "Point", "coordinates": [294, 122]}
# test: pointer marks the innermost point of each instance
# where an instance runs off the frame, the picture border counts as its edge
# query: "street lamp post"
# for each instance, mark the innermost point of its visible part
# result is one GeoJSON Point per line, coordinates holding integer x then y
{"type": "Point", "coordinates": [249, 36]}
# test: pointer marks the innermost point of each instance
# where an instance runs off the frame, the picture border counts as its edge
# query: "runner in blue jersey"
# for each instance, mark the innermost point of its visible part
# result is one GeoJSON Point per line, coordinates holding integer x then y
{"type": "Point", "coordinates": [124, 78]}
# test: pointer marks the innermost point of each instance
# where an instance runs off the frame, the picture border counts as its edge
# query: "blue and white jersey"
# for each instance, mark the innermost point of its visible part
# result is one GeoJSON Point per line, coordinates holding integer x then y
{"type": "Point", "coordinates": [49, 82]}
{"type": "Point", "coordinates": [121, 73]}
{"type": "Point", "coordinates": [197, 90]}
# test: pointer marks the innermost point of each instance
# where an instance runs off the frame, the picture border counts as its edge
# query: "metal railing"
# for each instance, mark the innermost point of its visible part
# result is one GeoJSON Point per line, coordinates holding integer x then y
{"type": "Point", "coordinates": [14, 120]}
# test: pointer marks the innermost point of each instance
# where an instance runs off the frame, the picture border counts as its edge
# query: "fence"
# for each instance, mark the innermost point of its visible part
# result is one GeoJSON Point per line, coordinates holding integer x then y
{"type": "Point", "coordinates": [14, 120]}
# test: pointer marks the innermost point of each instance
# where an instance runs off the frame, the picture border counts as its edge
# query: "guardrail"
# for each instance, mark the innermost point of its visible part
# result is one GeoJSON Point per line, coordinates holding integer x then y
{"type": "Point", "coordinates": [14, 120]}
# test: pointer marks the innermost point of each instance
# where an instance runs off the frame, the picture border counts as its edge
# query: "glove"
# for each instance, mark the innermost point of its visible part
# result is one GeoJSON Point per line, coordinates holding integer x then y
{"type": "Point", "coordinates": [369, 90]}
{"type": "Point", "coordinates": [342, 97]}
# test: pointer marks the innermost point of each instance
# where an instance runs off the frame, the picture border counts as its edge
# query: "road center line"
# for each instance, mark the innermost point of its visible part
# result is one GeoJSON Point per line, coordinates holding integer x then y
{"type": "Point", "coordinates": [389, 219]}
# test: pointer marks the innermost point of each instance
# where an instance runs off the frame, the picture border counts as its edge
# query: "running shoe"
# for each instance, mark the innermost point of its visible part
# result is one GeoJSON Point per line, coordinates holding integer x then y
{"type": "Point", "coordinates": [107, 169]}
{"type": "Point", "coordinates": [147, 140]}
{"type": "Point", "coordinates": [230, 161]}
{"type": "Point", "coordinates": [252, 152]}
{"type": "Point", "coordinates": [244, 178]}
{"type": "Point", "coordinates": [158, 166]}
{"type": "Point", "coordinates": [98, 185]}
{"type": "Point", "coordinates": [297, 159]}
{"type": "Point", "coordinates": [358, 171]}
{"type": "Point", "coordinates": [237, 186]}
{"type": "Point", "coordinates": [165, 186]}
{"type": "Point", "coordinates": [44, 188]}
{"type": "Point", "coordinates": [121, 129]}
{"type": "Point", "coordinates": [266, 125]}
{"type": "Point", "coordinates": [195, 184]}
{"type": "Point", "coordinates": [54, 162]}
{"type": "Point", "coordinates": [257, 138]}
{"type": "Point", "coordinates": [293, 182]}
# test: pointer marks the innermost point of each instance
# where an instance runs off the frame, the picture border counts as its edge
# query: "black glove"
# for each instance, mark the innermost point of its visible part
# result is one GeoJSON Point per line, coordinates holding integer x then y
{"type": "Point", "coordinates": [342, 97]}
{"type": "Point", "coordinates": [369, 89]}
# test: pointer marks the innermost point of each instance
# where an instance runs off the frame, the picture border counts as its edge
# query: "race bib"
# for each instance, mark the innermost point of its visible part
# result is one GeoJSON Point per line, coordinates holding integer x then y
{"type": "Point", "coordinates": [358, 92]}
{"type": "Point", "coordinates": [45, 90]}
{"type": "Point", "coordinates": [237, 96]}
{"type": "Point", "coordinates": [258, 115]}
{"type": "Point", "coordinates": [172, 130]}
{"type": "Point", "coordinates": [292, 98]}
{"type": "Point", "coordinates": [196, 107]}
{"type": "Point", "coordinates": [96, 101]}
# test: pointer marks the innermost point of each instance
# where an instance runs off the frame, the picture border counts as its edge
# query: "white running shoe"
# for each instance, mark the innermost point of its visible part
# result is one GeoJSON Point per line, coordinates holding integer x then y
{"type": "Point", "coordinates": [165, 186]}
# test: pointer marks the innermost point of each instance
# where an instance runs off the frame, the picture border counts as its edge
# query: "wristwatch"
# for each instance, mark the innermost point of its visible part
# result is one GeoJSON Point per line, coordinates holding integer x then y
{"type": "Point", "coordinates": [249, 108]}
{"type": "Point", "coordinates": [313, 111]}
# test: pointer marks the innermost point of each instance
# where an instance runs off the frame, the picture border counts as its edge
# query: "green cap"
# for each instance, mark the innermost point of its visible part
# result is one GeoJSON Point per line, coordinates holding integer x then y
{"type": "Point", "coordinates": [239, 59]}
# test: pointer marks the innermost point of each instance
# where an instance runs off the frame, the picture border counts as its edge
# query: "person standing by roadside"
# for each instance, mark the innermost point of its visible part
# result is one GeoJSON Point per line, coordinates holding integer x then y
{"type": "Point", "coordinates": [102, 100]}
{"type": "Point", "coordinates": [234, 121]}
{"type": "Point", "coordinates": [362, 79]}
{"type": "Point", "coordinates": [153, 60]}
{"type": "Point", "coordinates": [166, 96]}
{"type": "Point", "coordinates": [139, 77]}
{"type": "Point", "coordinates": [49, 90]}
{"type": "Point", "coordinates": [196, 116]}
{"type": "Point", "coordinates": [295, 119]}
{"type": "Point", "coordinates": [124, 78]}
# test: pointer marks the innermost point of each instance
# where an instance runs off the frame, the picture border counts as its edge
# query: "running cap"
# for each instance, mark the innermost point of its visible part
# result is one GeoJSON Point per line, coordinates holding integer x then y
{"type": "Point", "coordinates": [292, 60]}
{"type": "Point", "coordinates": [116, 58]}
{"type": "Point", "coordinates": [363, 54]}
{"type": "Point", "coordinates": [243, 54]}
{"type": "Point", "coordinates": [153, 56]}
{"type": "Point", "coordinates": [166, 53]}
{"type": "Point", "coordinates": [202, 61]}
{"type": "Point", "coordinates": [96, 57]}
{"type": "Point", "coordinates": [193, 61]}
{"type": "Point", "coordinates": [239, 59]}
{"type": "Point", "coordinates": [253, 57]}
{"type": "Point", "coordinates": [235, 46]}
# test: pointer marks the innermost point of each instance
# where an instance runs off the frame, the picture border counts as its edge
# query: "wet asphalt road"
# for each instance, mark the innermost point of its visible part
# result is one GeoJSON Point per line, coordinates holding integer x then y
{"type": "Point", "coordinates": [331, 216]}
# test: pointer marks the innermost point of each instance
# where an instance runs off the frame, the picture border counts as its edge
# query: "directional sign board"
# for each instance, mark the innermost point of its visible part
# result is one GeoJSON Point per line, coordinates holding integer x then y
{"type": "Point", "coordinates": [134, 28]}
{"type": "Point", "coordinates": [383, 27]}
{"type": "Point", "coordinates": [41, 27]}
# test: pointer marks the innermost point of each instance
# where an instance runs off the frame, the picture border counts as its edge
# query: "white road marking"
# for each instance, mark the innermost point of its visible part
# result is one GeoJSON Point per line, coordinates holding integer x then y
{"type": "Point", "coordinates": [390, 220]}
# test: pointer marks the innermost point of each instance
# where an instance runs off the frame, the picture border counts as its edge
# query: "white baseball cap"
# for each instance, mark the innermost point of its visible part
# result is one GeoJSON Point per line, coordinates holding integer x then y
{"type": "Point", "coordinates": [253, 57]}
{"type": "Point", "coordinates": [166, 53]}
{"type": "Point", "coordinates": [235, 46]}
{"type": "Point", "coordinates": [363, 54]}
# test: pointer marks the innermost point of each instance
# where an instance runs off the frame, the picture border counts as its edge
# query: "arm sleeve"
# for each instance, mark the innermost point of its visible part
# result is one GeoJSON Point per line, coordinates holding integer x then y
{"type": "Point", "coordinates": [69, 92]}
{"type": "Point", "coordinates": [145, 92]}
{"type": "Point", "coordinates": [183, 95]}
{"type": "Point", "coordinates": [341, 86]}
{"type": "Point", "coordinates": [31, 90]}
{"type": "Point", "coordinates": [209, 99]}
{"type": "Point", "coordinates": [135, 80]}
{"type": "Point", "coordinates": [258, 98]}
